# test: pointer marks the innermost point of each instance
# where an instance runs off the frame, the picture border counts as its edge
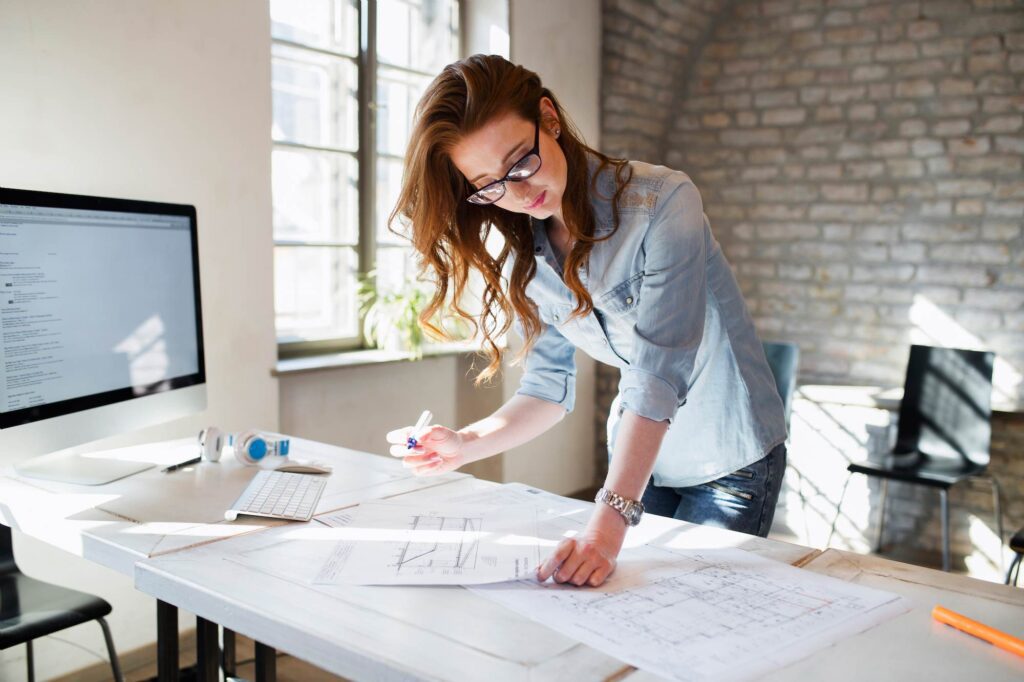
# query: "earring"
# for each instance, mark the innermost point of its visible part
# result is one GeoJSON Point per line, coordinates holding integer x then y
{"type": "Point", "coordinates": [556, 132]}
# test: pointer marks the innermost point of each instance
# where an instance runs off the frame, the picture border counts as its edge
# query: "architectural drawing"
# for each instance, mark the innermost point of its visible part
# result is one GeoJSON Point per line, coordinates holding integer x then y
{"type": "Point", "coordinates": [451, 557]}
{"type": "Point", "coordinates": [706, 614]}
{"type": "Point", "coordinates": [386, 543]}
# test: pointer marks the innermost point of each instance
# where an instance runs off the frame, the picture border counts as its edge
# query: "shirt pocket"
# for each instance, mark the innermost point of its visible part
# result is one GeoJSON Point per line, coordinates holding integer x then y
{"type": "Point", "coordinates": [555, 314]}
{"type": "Point", "coordinates": [623, 298]}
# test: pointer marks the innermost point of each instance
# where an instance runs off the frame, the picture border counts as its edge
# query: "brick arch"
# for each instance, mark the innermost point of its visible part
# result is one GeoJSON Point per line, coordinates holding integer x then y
{"type": "Point", "coordinates": [649, 51]}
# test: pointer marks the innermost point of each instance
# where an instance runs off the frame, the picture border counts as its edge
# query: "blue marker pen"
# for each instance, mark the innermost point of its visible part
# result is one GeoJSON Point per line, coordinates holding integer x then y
{"type": "Point", "coordinates": [421, 423]}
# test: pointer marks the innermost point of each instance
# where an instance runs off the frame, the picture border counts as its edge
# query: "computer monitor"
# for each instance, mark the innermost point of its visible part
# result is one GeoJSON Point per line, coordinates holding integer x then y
{"type": "Point", "coordinates": [100, 327]}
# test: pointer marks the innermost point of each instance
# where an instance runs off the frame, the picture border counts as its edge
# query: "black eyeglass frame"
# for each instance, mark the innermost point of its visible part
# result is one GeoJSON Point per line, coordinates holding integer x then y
{"type": "Point", "coordinates": [533, 152]}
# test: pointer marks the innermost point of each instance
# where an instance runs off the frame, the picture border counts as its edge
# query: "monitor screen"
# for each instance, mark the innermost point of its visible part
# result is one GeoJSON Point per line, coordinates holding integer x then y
{"type": "Point", "coordinates": [99, 303]}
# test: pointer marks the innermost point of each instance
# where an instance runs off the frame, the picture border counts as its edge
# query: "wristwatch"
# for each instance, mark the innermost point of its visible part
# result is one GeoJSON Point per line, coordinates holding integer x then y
{"type": "Point", "coordinates": [631, 510]}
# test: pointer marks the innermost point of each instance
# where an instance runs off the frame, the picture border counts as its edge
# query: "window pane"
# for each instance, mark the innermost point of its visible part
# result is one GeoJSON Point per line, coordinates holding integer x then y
{"type": "Point", "coordinates": [395, 267]}
{"type": "Point", "coordinates": [398, 93]}
{"type": "Point", "coordinates": [389, 183]}
{"type": "Point", "coordinates": [327, 24]}
{"type": "Point", "coordinates": [315, 293]}
{"type": "Point", "coordinates": [417, 34]}
{"type": "Point", "coordinates": [316, 196]}
{"type": "Point", "coordinates": [315, 98]}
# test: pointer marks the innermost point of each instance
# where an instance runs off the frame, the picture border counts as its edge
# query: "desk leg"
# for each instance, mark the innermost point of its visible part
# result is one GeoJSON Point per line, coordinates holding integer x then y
{"type": "Point", "coordinates": [166, 642]}
{"type": "Point", "coordinates": [207, 651]}
{"type": "Point", "coordinates": [266, 663]}
{"type": "Point", "coordinates": [229, 657]}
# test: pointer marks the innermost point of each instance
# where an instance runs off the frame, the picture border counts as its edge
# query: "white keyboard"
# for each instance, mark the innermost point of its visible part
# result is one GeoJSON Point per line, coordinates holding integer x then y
{"type": "Point", "coordinates": [279, 495]}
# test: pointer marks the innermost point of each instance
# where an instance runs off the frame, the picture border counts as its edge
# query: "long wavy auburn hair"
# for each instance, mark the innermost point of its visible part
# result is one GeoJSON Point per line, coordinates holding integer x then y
{"type": "Point", "coordinates": [450, 234]}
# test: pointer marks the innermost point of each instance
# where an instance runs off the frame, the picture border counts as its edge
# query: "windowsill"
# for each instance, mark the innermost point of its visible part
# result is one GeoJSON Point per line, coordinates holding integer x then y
{"type": "Point", "coordinates": [359, 358]}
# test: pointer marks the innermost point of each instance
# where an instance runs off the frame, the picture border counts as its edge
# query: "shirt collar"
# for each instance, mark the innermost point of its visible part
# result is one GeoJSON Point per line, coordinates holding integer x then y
{"type": "Point", "coordinates": [600, 201]}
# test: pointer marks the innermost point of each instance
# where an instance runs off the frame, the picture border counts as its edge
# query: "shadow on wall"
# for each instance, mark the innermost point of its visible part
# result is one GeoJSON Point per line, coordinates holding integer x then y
{"type": "Point", "coordinates": [825, 438]}
{"type": "Point", "coordinates": [827, 434]}
{"type": "Point", "coordinates": [932, 326]}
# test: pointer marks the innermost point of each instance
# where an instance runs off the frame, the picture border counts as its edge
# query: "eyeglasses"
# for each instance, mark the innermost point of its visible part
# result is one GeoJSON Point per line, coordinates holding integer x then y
{"type": "Point", "coordinates": [521, 170]}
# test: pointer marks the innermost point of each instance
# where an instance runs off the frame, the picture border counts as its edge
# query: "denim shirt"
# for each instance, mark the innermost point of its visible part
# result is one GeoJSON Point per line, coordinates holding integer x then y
{"type": "Point", "coordinates": [668, 313]}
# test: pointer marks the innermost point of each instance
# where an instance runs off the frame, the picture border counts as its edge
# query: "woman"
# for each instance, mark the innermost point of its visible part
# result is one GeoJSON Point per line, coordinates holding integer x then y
{"type": "Point", "coordinates": [610, 256]}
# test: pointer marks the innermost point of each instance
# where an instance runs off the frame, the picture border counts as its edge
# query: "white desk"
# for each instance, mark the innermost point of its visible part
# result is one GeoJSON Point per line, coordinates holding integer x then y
{"type": "Point", "coordinates": [183, 554]}
{"type": "Point", "coordinates": [385, 633]}
{"type": "Point", "coordinates": [154, 514]}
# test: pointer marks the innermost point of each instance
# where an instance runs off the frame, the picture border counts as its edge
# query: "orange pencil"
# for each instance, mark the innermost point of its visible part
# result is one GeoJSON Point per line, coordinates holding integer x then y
{"type": "Point", "coordinates": [979, 630]}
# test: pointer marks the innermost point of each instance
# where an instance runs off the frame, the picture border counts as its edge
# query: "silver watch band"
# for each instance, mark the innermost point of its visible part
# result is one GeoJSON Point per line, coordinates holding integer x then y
{"type": "Point", "coordinates": [631, 510]}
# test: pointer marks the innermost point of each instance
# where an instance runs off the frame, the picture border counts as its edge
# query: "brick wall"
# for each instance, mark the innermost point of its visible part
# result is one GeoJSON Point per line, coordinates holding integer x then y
{"type": "Point", "coordinates": [861, 162]}
{"type": "Point", "coordinates": [862, 166]}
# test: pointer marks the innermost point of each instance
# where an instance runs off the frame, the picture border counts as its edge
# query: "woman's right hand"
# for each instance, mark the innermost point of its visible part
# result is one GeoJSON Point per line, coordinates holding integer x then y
{"type": "Point", "coordinates": [438, 449]}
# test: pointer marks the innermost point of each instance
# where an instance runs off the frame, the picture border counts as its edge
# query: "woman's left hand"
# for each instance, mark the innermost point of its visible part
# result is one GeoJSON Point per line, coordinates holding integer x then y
{"type": "Point", "coordinates": [589, 558]}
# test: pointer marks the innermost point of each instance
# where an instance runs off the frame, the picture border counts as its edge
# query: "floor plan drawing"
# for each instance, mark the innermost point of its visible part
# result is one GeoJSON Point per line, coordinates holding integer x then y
{"type": "Point", "coordinates": [703, 615]}
{"type": "Point", "coordinates": [460, 554]}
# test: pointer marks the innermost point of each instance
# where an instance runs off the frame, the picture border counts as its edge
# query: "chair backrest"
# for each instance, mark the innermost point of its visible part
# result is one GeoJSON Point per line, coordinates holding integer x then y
{"type": "Point", "coordinates": [7, 564]}
{"type": "Point", "coordinates": [783, 359]}
{"type": "Point", "coordinates": [946, 410]}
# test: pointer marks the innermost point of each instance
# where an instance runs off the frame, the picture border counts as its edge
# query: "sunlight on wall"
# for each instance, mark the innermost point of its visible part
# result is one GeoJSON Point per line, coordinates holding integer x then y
{"type": "Point", "coordinates": [984, 561]}
{"type": "Point", "coordinates": [825, 438]}
{"type": "Point", "coordinates": [498, 40]}
{"type": "Point", "coordinates": [934, 327]}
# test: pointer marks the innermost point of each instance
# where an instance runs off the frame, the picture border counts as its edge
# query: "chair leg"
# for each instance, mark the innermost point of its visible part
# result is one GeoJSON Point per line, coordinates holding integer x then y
{"type": "Point", "coordinates": [30, 662]}
{"type": "Point", "coordinates": [944, 500]}
{"type": "Point", "coordinates": [997, 507]}
{"type": "Point", "coordinates": [881, 515]}
{"type": "Point", "coordinates": [115, 664]}
{"type": "Point", "coordinates": [1012, 573]}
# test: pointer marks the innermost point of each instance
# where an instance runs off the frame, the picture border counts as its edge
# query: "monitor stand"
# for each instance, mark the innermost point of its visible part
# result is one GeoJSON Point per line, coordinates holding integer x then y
{"type": "Point", "coordinates": [69, 467]}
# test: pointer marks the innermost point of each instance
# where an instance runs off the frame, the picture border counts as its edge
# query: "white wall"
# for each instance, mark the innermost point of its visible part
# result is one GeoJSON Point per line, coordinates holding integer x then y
{"type": "Point", "coordinates": [166, 101]}
{"type": "Point", "coordinates": [561, 41]}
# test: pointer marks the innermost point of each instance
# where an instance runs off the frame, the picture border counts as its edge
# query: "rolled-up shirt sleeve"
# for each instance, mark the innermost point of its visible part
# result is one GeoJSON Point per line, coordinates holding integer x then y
{"type": "Point", "coordinates": [671, 306]}
{"type": "Point", "coordinates": [549, 368]}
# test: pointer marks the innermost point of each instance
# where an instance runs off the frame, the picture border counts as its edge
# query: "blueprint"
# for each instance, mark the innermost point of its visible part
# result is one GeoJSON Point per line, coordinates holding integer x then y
{"type": "Point", "coordinates": [722, 614]}
{"type": "Point", "coordinates": [390, 543]}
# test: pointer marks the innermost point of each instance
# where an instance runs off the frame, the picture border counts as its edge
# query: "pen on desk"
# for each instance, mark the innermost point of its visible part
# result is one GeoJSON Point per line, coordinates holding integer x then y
{"type": "Point", "coordinates": [421, 423]}
{"type": "Point", "coordinates": [979, 630]}
{"type": "Point", "coordinates": [179, 465]}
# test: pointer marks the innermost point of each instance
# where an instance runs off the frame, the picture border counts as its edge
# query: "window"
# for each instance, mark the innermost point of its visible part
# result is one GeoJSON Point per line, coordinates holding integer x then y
{"type": "Point", "coordinates": [346, 77]}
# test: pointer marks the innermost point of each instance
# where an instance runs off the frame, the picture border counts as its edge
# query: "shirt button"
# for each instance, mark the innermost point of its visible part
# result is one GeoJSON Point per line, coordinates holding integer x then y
{"type": "Point", "coordinates": [555, 318]}
{"type": "Point", "coordinates": [629, 300]}
{"type": "Point", "coordinates": [604, 341]}
{"type": "Point", "coordinates": [537, 249]}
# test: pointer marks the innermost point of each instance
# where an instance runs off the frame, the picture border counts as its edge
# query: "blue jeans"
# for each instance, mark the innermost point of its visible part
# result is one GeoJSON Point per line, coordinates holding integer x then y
{"type": "Point", "coordinates": [743, 501]}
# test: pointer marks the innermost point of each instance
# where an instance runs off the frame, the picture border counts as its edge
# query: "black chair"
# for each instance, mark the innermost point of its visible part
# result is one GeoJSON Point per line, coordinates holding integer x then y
{"type": "Point", "coordinates": [30, 608]}
{"type": "Point", "coordinates": [783, 359]}
{"type": "Point", "coordinates": [944, 430]}
{"type": "Point", "coordinates": [1017, 545]}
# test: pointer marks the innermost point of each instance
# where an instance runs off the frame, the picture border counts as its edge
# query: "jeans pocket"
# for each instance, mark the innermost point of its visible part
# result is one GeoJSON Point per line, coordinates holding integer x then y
{"type": "Point", "coordinates": [741, 494]}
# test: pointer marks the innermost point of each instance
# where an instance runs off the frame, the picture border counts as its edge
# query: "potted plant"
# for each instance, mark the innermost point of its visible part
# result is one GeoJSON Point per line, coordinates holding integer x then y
{"type": "Point", "coordinates": [391, 317]}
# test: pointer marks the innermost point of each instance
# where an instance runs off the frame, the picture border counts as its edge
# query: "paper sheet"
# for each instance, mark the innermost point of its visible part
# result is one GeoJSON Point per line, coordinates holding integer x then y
{"type": "Point", "coordinates": [391, 543]}
{"type": "Point", "coordinates": [720, 614]}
